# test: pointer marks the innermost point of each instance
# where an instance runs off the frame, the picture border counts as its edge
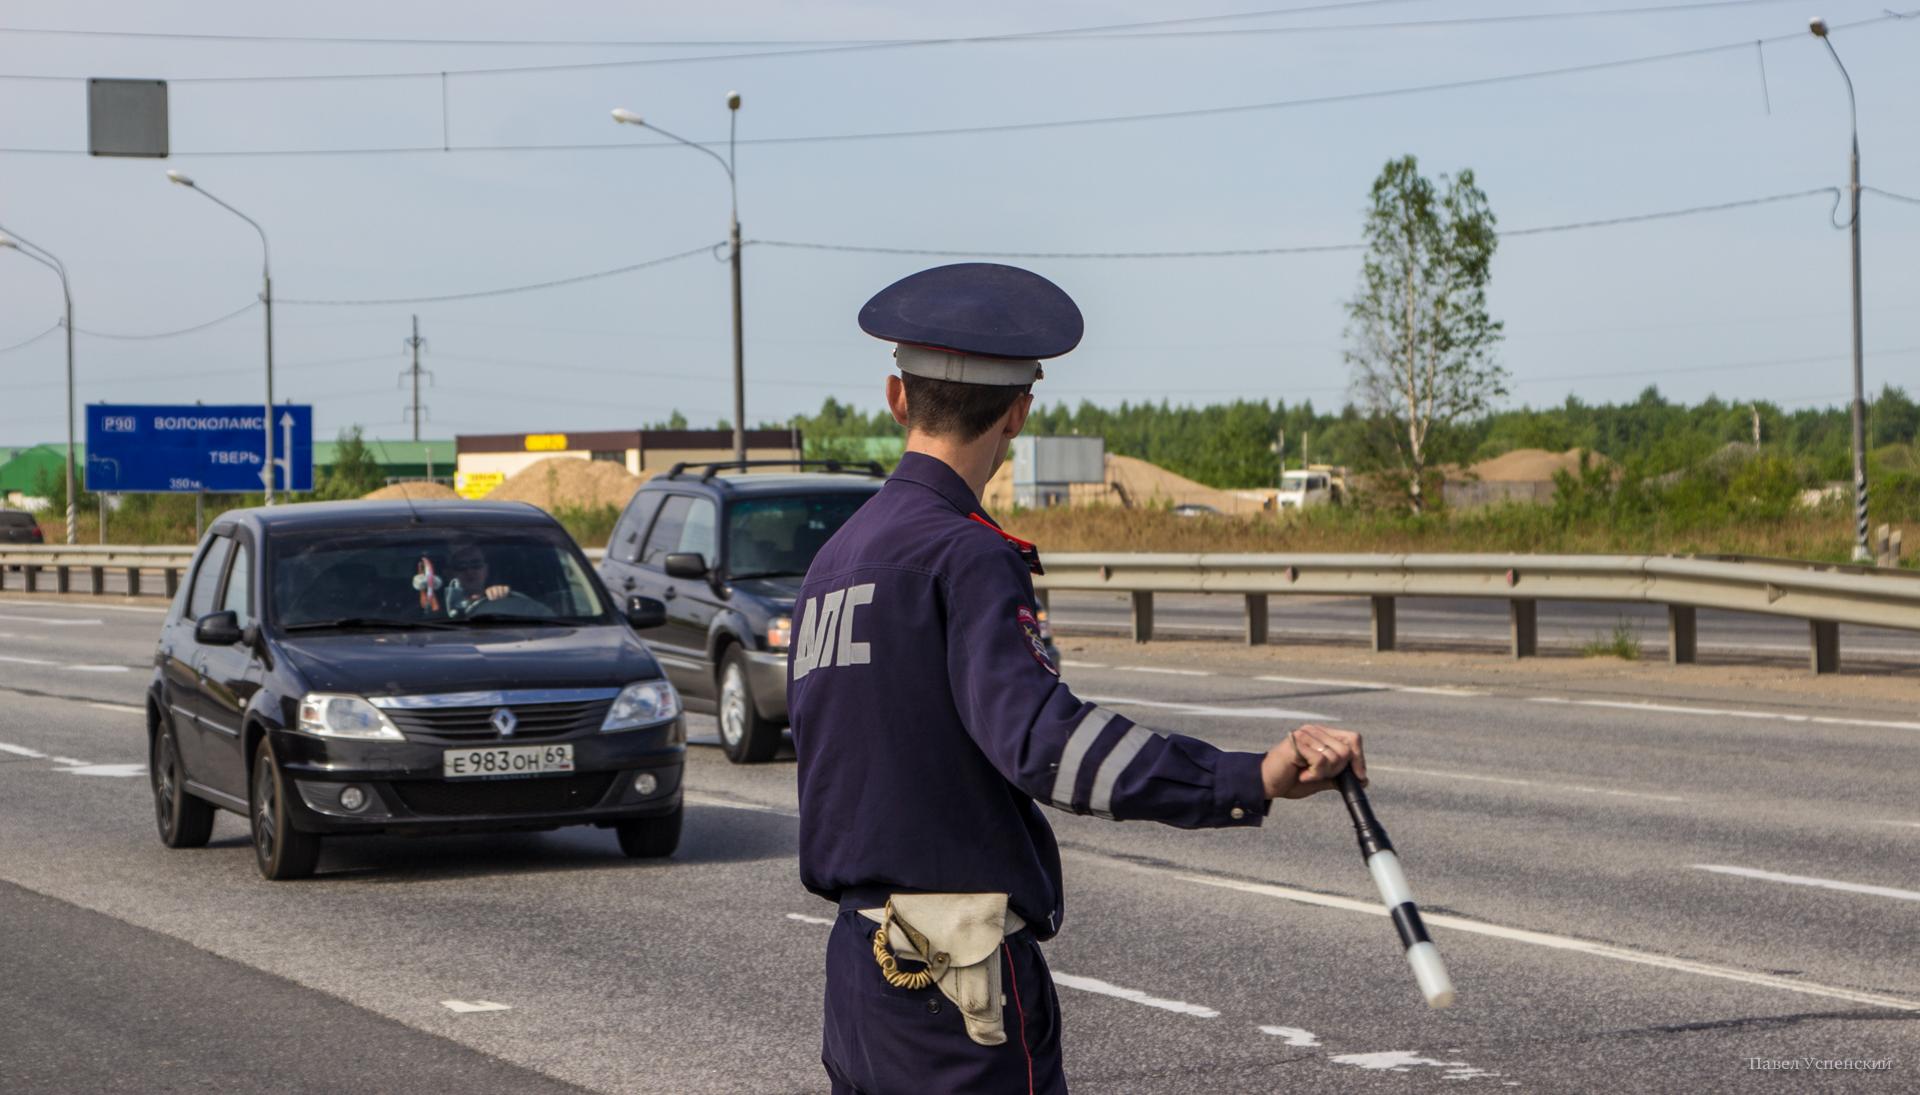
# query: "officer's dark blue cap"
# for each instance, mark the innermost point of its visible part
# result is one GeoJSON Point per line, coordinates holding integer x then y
{"type": "Point", "coordinates": [976, 309]}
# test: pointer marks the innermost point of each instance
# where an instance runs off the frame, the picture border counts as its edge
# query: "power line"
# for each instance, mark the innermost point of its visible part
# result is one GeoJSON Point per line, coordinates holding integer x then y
{"type": "Point", "coordinates": [1891, 194]}
{"type": "Point", "coordinates": [1115, 32]}
{"type": "Point", "coordinates": [28, 342]}
{"type": "Point", "coordinates": [122, 336]}
{"type": "Point", "coordinates": [1243, 252]}
{"type": "Point", "coordinates": [1034, 126]}
{"type": "Point", "coordinates": [505, 290]}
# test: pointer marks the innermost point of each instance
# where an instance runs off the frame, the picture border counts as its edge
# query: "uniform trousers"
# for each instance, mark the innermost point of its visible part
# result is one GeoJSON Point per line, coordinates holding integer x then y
{"type": "Point", "coordinates": [880, 1040]}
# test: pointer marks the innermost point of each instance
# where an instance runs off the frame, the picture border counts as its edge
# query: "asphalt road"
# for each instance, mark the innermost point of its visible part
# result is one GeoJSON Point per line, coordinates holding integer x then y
{"type": "Point", "coordinates": [1634, 894]}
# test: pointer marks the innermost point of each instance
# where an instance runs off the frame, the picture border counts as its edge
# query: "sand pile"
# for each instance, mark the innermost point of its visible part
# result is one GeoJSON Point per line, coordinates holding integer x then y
{"type": "Point", "coordinates": [419, 492]}
{"type": "Point", "coordinates": [565, 482]}
{"type": "Point", "coordinates": [1529, 466]}
{"type": "Point", "coordinates": [1132, 483]}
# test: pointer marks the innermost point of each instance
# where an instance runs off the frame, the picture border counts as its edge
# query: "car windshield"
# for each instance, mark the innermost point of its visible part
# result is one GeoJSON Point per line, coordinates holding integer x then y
{"type": "Point", "coordinates": [774, 537]}
{"type": "Point", "coordinates": [1292, 481]}
{"type": "Point", "coordinates": [429, 577]}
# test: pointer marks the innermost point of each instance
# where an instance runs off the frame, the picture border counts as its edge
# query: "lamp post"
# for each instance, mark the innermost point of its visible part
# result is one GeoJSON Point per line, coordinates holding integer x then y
{"type": "Point", "coordinates": [1861, 553]}
{"type": "Point", "coordinates": [266, 298]}
{"type": "Point", "coordinates": [628, 117]}
{"type": "Point", "coordinates": [47, 259]}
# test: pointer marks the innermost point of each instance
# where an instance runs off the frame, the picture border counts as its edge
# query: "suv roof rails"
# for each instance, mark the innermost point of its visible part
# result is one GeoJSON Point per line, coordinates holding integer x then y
{"type": "Point", "coordinates": [833, 467]}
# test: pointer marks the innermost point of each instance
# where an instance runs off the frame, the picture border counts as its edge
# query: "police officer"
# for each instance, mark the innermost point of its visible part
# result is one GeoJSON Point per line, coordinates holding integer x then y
{"type": "Point", "coordinates": [930, 723]}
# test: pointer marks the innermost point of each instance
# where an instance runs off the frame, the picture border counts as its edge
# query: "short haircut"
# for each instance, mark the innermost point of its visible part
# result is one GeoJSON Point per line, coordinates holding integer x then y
{"type": "Point", "coordinates": [947, 408]}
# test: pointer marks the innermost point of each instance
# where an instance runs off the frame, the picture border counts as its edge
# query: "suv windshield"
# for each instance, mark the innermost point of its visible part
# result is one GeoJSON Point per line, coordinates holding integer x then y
{"type": "Point", "coordinates": [426, 577]}
{"type": "Point", "coordinates": [772, 537]}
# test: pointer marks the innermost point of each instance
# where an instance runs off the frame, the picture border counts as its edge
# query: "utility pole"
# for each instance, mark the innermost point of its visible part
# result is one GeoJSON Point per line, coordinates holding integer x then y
{"type": "Point", "coordinates": [414, 408]}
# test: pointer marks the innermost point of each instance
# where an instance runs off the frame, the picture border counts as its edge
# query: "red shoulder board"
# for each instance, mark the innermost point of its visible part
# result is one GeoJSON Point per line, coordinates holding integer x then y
{"type": "Point", "coordinates": [1029, 554]}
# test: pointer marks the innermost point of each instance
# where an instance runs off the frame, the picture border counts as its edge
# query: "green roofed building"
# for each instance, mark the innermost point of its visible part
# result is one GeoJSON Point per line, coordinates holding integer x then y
{"type": "Point", "coordinates": [24, 471]}
{"type": "Point", "coordinates": [399, 459]}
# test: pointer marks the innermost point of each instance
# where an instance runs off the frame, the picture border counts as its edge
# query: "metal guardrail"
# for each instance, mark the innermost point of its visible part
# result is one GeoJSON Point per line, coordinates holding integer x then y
{"type": "Point", "coordinates": [1823, 595]}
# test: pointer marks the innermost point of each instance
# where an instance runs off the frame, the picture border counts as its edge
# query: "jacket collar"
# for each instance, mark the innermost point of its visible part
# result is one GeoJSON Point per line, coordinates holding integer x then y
{"type": "Point", "coordinates": [935, 475]}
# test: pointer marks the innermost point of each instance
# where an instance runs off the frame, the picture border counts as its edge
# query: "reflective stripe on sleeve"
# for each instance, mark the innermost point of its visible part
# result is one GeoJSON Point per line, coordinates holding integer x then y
{"type": "Point", "coordinates": [1078, 743]}
{"type": "Point", "coordinates": [1129, 746]}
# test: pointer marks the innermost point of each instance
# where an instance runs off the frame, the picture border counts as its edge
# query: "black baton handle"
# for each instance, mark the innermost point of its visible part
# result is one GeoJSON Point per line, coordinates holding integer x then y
{"type": "Point", "coordinates": [1372, 834]}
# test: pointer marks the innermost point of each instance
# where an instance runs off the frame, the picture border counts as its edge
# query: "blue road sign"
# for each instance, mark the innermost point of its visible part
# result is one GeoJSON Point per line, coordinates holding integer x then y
{"type": "Point", "coordinates": [159, 449]}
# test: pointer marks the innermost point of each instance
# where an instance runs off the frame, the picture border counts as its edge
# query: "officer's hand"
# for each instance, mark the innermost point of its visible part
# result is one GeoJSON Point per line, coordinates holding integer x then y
{"type": "Point", "coordinates": [1309, 759]}
{"type": "Point", "coordinates": [494, 593]}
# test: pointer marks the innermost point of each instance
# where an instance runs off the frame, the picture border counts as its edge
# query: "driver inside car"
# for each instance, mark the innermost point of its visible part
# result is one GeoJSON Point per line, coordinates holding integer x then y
{"type": "Point", "coordinates": [467, 586]}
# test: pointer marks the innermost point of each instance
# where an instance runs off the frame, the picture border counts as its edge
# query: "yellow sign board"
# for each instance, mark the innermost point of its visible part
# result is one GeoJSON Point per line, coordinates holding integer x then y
{"type": "Point", "coordinates": [546, 442]}
{"type": "Point", "coordinates": [477, 485]}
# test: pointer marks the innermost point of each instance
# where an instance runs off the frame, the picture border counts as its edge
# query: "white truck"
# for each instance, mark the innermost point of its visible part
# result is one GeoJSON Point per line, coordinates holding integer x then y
{"type": "Point", "coordinates": [1312, 486]}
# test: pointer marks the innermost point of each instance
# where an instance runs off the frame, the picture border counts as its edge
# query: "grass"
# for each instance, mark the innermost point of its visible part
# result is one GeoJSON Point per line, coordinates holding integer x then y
{"type": "Point", "coordinates": [1622, 643]}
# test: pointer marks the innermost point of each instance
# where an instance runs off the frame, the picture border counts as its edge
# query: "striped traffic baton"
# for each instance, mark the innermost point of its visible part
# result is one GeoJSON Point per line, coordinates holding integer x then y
{"type": "Point", "coordinates": [1384, 866]}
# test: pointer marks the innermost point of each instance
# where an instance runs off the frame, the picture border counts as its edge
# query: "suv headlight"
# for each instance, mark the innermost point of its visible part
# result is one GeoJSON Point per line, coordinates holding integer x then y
{"type": "Point", "coordinates": [333, 716]}
{"type": "Point", "coordinates": [643, 703]}
{"type": "Point", "coordinates": [780, 633]}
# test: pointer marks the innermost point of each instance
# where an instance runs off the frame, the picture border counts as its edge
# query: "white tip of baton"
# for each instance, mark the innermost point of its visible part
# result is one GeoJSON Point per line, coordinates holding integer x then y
{"type": "Point", "coordinates": [1431, 973]}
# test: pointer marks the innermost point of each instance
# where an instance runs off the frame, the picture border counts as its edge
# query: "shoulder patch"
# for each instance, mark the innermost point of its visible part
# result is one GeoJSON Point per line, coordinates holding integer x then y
{"type": "Point", "coordinates": [1036, 645]}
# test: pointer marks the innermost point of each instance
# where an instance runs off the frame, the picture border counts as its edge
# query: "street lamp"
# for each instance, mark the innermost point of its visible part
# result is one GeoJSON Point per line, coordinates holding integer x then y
{"type": "Point", "coordinates": [47, 259]}
{"type": "Point", "coordinates": [1860, 552]}
{"type": "Point", "coordinates": [266, 298]}
{"type": "Point", "coordinates": [628, 117]}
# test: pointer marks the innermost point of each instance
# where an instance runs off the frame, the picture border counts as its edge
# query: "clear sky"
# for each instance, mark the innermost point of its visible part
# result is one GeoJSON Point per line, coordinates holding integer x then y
{"type": "Point", "coordinates": [1746, 303]}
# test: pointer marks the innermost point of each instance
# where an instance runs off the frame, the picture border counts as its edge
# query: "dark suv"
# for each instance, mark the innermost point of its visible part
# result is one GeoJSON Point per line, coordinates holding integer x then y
{"type": "Point", "coordinates": [385, 667]}
{"type": "Point", "coordinates": [19, 528]}
{"type": "Point", "coordinates": [727, 553]}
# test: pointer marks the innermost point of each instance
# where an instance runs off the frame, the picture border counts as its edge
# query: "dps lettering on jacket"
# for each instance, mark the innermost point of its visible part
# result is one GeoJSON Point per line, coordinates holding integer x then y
{"type": "Point", "coordinates": [823, 631]}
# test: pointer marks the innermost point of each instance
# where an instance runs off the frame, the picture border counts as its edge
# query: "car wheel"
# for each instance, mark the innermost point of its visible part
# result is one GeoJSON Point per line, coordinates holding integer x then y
{"type": "Point", "coordinates": [746, 737]}
{"type": "Point", "coordinates": [281, 851]}
{"type": "Point", "coordinates": [184, 821]}
{"type": "Point", "coordinates": [650, 837]}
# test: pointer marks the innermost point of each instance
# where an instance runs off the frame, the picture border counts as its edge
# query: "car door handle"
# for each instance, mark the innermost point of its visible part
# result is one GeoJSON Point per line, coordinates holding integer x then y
{"type": "Point", "coordinates": [629, 582]}
{"type": "Point", "coordinates": [671, 593]}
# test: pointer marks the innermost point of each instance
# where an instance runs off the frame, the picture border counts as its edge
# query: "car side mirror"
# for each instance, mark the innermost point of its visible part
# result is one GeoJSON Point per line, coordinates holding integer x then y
{"type": "Point", "coordinates": [217, 629]}
{"type": "Point", "coordinates": [646, 612]}
{"type": "Point", "coordinates": [686, 564]}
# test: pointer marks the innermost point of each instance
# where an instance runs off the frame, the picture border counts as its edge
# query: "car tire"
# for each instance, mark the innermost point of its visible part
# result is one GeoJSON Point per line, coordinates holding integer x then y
{"type": "Point", "coordinates": [183, 820]}
{"type": "Point", "coordinates": [281, 851]}
{"type": "Point", "coordinates": [744, 735]}
{"type": "Point", "coordinates": [650, 837]}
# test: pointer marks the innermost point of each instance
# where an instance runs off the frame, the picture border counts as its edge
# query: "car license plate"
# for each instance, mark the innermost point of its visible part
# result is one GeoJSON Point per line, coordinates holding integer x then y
{"type": "Point", "coordinates": [497, 761]}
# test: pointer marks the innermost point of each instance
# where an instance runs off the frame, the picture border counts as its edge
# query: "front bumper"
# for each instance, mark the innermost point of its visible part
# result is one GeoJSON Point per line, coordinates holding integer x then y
{"type": "Point", "coordinates": [405, 792]}
{"type": "Point", "coordinates": [767, 676]}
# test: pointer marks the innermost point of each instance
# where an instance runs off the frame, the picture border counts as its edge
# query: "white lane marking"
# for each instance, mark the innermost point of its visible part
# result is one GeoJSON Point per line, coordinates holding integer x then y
{"type": "Point", "coordinates": [1806, 880]}
{"type": "Point", "coordinates": [1094, 984]}
{"type": "Point", "coordinates": [66, 760]}
{"type": "Point", "coordinates": [1376, 686]}
{"type": "Point", "coordinates": [95, 668]}
{"type": "Point", "coordinates": [1209, 709]}
{"type": "Point", "coordinates": [698, 799]}
{"type": "Point", "coordinates": [1083, 665]}
{"type": "Point", "coordinates": [121, 771]}
{"type": "Point", "coordinates": [1294, 1035]}
{"type": "Point", "coordinates": [1168, 672]}
{"type": "Point", "coordinates": [1400, 1060]}
{"type": "Point", "coordinates": [1543, 939]}
{"type": "Point", "coordinates": [22, 751]}
{"type": "Point", "coordinates": [464, 1006]}
{"type": "Point", "coordinates": [124, 708]}
{"type": "Point", "coordinates": [51, 622]}
{"type": "Point", "coordinates": [85, 607]}
{"type": "Point", "coordinates": [24, 661]}
{"type": "Point", "coordinates": [1908, 824]}
{"type": "Point", "coordinates": [1522, 782]}
{"type": "Point", "coordinates": [805, 919]}
{"type": "Point", "coordinates": [1732, 713]}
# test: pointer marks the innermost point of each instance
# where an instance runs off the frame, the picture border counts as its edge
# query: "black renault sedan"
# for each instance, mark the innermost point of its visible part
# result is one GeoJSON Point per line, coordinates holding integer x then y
{"type": "Point", "coordinates": [342, 668]}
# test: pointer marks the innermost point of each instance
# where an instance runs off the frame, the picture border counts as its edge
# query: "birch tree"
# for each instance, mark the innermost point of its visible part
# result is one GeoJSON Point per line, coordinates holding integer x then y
{"type": "Point", "coordinates": [1419, 339]}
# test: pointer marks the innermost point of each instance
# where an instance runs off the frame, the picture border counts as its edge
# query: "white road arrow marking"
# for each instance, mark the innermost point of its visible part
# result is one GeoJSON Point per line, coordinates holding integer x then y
{"type": "Point", "coordinates": [465, 1006]}
{"type": "Point", "coordinates": [1294, 1035]}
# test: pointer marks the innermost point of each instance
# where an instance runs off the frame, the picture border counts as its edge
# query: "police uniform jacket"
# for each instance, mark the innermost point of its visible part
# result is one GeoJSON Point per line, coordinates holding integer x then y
{"type": "Point", "coordinates": [929, 721]}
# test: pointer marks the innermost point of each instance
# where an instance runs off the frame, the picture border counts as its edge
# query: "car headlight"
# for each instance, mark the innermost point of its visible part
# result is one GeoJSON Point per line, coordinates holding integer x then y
{"type": "Point", "coordinates": [331, 716]}
{"type": "Point", "coordinates": [642, 703]}
{"type": "Point", "coordinates": [780, 633]}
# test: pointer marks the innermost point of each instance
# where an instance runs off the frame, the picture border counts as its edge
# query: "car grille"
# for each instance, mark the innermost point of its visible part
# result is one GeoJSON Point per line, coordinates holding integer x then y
{"type": "Point", "coordinates": [533, 795]}
{"type": "Point", "coordinates": [536, 720]}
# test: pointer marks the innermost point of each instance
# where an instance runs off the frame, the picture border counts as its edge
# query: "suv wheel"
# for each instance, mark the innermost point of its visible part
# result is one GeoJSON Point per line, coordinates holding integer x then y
{"type": "Point", "coordinates": [184, 821]}
{"type": "Point", "coordinates": [746, 737]}
{"type": "Point", "coordinates": [281, 851]}
{"type": "Point", "coordinates": [650, 837]}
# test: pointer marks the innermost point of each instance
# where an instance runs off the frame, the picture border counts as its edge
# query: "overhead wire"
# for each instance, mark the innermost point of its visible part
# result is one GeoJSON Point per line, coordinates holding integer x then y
{"type": "Point", "coordinates": [142, 336]}
{"type": "Point", "coordinates": [24, 343]}
{"type": "Point", "coordinates": [508, 289]}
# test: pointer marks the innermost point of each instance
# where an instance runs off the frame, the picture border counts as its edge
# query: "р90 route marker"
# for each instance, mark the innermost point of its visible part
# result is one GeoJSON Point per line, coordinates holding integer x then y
{"type": "Point", "coordinates": [1384, 866]}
